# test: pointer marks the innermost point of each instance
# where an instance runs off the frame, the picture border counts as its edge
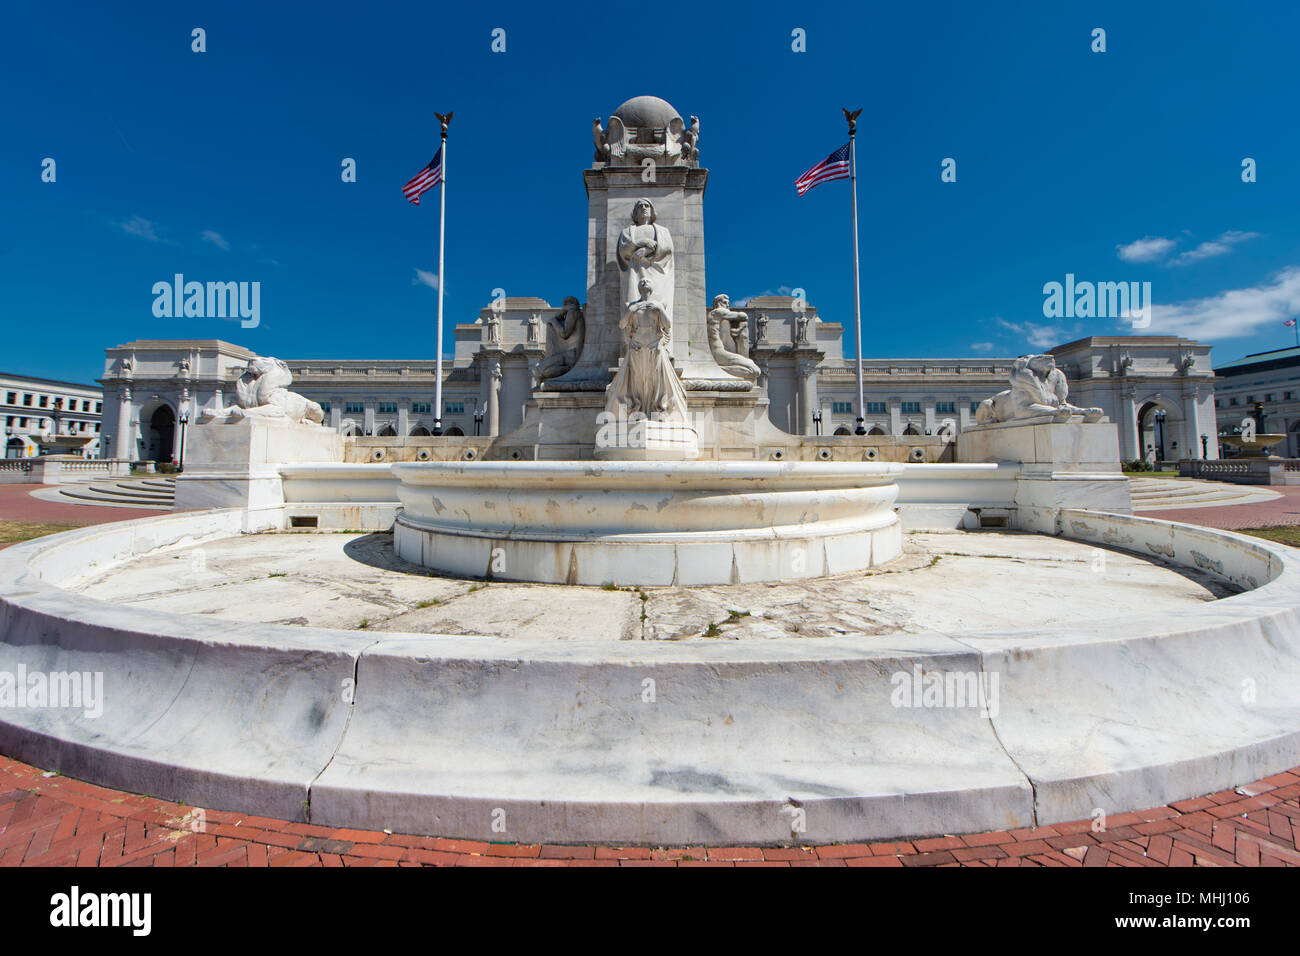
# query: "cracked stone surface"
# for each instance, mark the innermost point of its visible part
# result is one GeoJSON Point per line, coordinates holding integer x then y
{"type": "Point", "coordinates": [951, 581]}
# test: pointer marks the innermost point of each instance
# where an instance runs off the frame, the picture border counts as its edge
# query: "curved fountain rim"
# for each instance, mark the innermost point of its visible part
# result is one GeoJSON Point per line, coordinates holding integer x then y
{"type": "Point", "coordinates": [636, 472]}
{"type": "Point", "coordinates": [30, 591]}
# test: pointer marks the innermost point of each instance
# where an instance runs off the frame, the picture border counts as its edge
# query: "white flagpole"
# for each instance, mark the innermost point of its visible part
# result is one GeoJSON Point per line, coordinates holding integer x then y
{"type": "Point", "coordinates": [442, 232]}
{"type": "Point", "coordinates": [857, 285]}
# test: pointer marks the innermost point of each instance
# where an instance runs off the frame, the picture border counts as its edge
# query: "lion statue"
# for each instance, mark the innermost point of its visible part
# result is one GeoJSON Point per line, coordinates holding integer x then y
{"type": "Point", "coordinates": [1038, 388]}
{"type": "Point", "coordinates": [263, 392]}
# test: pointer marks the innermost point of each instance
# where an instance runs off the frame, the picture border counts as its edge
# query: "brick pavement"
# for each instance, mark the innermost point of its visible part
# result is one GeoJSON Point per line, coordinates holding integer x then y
{"type": "Point", "coordinates": [50, 820]}
{"type": "Point", "coordinates": [1260, 514]}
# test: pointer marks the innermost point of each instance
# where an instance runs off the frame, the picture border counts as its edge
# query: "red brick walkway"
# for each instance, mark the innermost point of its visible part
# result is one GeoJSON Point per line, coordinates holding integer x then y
{"type": "Point", "coordinates": [50, 820]}
{"type": "Point", "coordinates": [1262, 514]}
{"type": "Point", "coordinates": [17, 504]}
{"type": "Point", "coordinates": [56, 821]}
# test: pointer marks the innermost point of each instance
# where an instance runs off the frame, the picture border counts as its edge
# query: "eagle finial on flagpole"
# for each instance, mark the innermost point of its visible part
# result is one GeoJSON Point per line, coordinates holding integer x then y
{"type": "Point", "coordinates": [444, 120]}
{"type": "Point", "coordinates": [852, 118]}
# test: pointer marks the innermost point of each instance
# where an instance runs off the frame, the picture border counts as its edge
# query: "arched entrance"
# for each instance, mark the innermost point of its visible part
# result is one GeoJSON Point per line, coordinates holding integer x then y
{"type": "Point", "coordinates": [911, 429]}
{"type": "Point", "coordinates": [454, 431]}
{"type": "Point", "coordinates": [843, 431]}
{"type": "Point", "coordinates": [876, 430]}
{"type": "Point", "coordinates": [1165, 439]}
{"type": "Point", "coordinates": [1293, 440]}
{"type": "Point", "coordinates": [419, 431]}
{"type": "Point", "coordinates": [161, 435]}
{"type": "Point", "coordinates": [387, 432]}
{"type": "Point", "coordinates": [14, 448]}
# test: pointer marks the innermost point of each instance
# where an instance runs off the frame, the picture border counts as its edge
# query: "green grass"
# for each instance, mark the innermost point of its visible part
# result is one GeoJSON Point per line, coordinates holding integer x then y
{"type": "Point", "coordinates": [11, 532]}
{"type": "Point", "coordinates": [429, 603]}
{"type": "Point", "coordinates": [1151, 474]}
{"type": "Point", "coordinates": [1282, 534]}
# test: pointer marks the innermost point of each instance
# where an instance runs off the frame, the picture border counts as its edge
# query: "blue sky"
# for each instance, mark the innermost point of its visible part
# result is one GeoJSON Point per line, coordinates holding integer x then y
{"type": "Point", "coordinates": [224, 165]}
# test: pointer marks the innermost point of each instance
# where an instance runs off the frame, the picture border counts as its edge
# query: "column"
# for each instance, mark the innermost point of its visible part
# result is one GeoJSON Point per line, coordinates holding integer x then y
{"type": "Point", "coordinates": [494, 398]}
{"type": "Point", "coordinates": [1128, 430]}
{"type": "Point", "coordinates": [368, 418]}
{"type": "Point", "coordinates": [895, 417]}
{"type": "Point", "coordinates": [929, 426]}
{"type": "Point", "coordinates": [182, 409]}
{"type": "Point", "coordinates": [1191, 424]}
{"type": "Point", "coordinates": [807, 394]}
{"type": "Point", "coordinates": [124, 429]}
{"type": "Point", "coordinates": [403, 417]}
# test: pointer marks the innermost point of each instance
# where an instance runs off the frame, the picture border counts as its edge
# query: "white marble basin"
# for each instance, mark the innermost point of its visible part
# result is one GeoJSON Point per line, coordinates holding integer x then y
{"type": "Point", "coordinates": [647, 523]}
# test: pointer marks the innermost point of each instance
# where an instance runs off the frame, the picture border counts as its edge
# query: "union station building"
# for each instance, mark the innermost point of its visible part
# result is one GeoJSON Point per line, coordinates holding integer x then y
{"type": "Point", "coordinates": [150, 387]}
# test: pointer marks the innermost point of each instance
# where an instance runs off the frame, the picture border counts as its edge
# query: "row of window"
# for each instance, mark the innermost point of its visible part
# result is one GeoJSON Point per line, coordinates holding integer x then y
{"type": "Point", "coordinates": [1250, 399]}
{"type": "Point", "coordinates": [390, 408]}
{"type": "Point", "coordinates": [18, 421]}
{"type": "Point", "coordinates": [47, 401]}
{"type": "Point", "coordinates": [907, 408]}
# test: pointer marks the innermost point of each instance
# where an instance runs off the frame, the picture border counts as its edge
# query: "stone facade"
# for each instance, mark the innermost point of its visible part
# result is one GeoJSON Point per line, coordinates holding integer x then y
{"type": "Point", "coordinates": [1269, 380]}
{"type": "Point", "coordinates": [48, 417]}
{"type": "Point", "coordinates": [1128, 377]}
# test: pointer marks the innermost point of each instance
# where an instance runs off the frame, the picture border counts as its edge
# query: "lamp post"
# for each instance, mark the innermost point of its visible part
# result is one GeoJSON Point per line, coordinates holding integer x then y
{"type": "Point", "coordinates": [817, 420]}
{"type": "Point", "coordinates": [185, 420]}
{"type": "Point", "coordinates": [1205, 447]}
{"type": "Point", "coordinates": [1160, 428]}
{"type": "Point", "coordinates": [478, 420]}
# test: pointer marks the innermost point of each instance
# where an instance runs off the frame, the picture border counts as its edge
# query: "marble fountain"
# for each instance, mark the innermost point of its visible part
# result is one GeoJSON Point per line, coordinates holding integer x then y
{"type": "Point", "coordinates": [648, 616]}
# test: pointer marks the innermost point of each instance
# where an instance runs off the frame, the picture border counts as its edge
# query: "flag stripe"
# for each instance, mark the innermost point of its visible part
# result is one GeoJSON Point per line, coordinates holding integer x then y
{"type": "Point", "coordinates": [424, 180]}
{"type": "Point", "coordinates": [834, 166]}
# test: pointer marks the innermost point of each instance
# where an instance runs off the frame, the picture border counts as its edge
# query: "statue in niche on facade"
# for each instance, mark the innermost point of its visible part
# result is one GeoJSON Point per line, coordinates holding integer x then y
{"type": "Point", "coordinates": [801, 329]}
{"type": "Point", "coordinates": [565, 332]}
{"type": "Point", "coordinates": [645, 252]}
{"type": "Point", "coordinates": [534, 329]}
{"type": "Point", "coordinates": [262, 391]}
{"type": "Point", "coordinates": [729, 339]}
{"type": "Point", "coordinates": [1038, 388]}
{"type": "Point", "coordinates": [760, 328]}
{"type": "Point", "coordinates": [493, 328]}
{"type": "Point", "coordinates": [646, 382]}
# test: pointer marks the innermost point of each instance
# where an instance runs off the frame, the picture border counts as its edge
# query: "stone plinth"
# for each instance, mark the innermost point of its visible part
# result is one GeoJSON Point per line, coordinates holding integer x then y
{"type": "Point", "coordinates": [1062, 465]}
{"type": "Point", "coordinates": [647, 523]}
{"type": "Point", "coordinates": [645, 440]}
{"type": "Point", "coordinates": [237, 465]}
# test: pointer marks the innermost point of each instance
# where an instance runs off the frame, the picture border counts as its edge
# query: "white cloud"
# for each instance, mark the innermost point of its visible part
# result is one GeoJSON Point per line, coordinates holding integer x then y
{"type": "Point", "coordinates": [1147, 249]}
{"type": "Point", "coordinates": [1040, 336]}
{"type": "Point", "coordinates": [982, 346]}
{"type": "Point", "coordinates": [1234, 313]}
{"type": "Point", "coordinates": [142, 227]}
{"type": "Point", "coordinates": [1215, 247]}
{"type": "Point", "coordinates": [425, 278]}
{"type": "Point", "coordinates": [746, 299]}
{"type": "Point", "coordinates": [216, 239]}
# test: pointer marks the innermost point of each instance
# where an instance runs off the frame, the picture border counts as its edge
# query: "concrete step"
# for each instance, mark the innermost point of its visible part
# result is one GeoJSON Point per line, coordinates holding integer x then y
{"type": "Point", "coordinates": [128, 492]}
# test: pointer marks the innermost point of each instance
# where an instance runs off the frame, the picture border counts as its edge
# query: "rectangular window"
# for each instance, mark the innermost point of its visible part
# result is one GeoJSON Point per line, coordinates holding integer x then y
{"type": "Point", "coordinates": [325, 407]}
{"type": "Point", "coordinates": [99, 407]}
{"type": "Point", "coordinates": [453, 408]}
{"type": "Point", "coordinates": [842, 408]}
{"type": "Point", "coordinates": [354, 408]}
{"type": "Point", "coordinates": [1232, 402]}
{"type": "Point", "coordinates": [945, 408]}
{"type": "Point", "coordinates": [9, 420]}
{"type": "Point", "coordinates": [974, 407]}
{"type": "Point", "coordinates": [1286, 396]}
{"type": "Point", "coordinates": [22, 423]}
{"type": "Point", "coordinates": [43, 401]}
{"type": "Point", "coordinates": [876, 408]}
{"type": "Point", "coordinates": [27, 399]}
{"type": "Point", "coordinates": [1250, 398]}
{"type": "Point", "coordinates": [911, 408]}
{"type": "Point", "coordinates": [387, 408]}
{"type": "Point", "coordinates": [422, 408]}
{"type": "Point", "coordinates": [11, 398]}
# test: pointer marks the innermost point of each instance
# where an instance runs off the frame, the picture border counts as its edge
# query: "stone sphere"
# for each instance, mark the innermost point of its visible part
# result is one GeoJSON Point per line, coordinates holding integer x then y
{"type": "Point", "coordinates": [646, 112]}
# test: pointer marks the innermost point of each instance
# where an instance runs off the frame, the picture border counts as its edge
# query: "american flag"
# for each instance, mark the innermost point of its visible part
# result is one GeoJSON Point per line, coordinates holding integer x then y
{"type": "Point", "coordinates": [1289, 323]}
{"type": "Point", "coordinates": [425, 179]}
{"type": "Point", "coordinates": [834, 166]}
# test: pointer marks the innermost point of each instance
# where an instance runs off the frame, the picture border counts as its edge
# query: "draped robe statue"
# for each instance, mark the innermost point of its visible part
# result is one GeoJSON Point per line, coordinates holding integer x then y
{"type": "Point", "coordinates": [645, 252]}
{"type": "Point", "coordinates": [646, 382]}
